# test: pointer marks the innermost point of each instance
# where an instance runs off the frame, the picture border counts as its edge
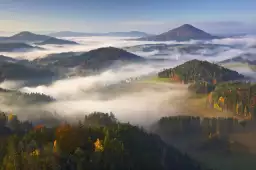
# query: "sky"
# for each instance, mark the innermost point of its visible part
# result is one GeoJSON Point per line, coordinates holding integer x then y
{"type": "Point", "coordinates": [152, 16]}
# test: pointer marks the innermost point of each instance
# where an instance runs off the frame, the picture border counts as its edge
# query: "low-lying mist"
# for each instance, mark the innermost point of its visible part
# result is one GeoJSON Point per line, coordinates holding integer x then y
{"type": "Point", "coordinates": [242, 44]}
{"type": "Point", "coordinates": [139, 106]}
{"type": "Point", "coordinates": [113, 90]}
{"type": "Point", "coordinates": [137, 102]}
{"type": "Point", "coordinates": [73, 87]}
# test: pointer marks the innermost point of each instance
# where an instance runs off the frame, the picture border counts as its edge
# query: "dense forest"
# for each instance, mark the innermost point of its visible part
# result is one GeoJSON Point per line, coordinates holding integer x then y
{"type": "Point", "coordinates": [176, 126]}
{"type": "Point", "coordinates": [226, 90]}
{"type": "Point", "coordinates": [17, 97]}
{"type": "Point", "coordinates": [196, 70]}
{"type": "Point", "coordinates": [98, 142]}
{"type": "Point", "coordinates": [220, 143]}
{"type": "Point", "coordinates": [20, 71]}
{"type": "Point", "coordinates": [236, 97]}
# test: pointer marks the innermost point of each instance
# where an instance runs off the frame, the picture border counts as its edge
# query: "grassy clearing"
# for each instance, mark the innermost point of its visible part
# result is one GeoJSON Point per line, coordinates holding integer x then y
{"type": "Point", "coordinates": [196, 105]}
{"type": "Point", "coordinates": [197, 96]}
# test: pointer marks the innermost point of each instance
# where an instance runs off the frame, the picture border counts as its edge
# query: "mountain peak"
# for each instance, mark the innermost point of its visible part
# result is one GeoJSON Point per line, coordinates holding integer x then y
{"type": "Point", "coordinates": [28, 36]}
{"type": "Point", "coordinates": [185, 32]}
{"type": "Point", "coordinates": [187, 25]}
{"type": "Point", "coordinates": [24, 33]}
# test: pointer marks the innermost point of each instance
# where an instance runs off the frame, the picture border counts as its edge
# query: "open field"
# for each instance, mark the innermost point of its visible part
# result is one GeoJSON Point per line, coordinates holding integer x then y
{"type": "Point", "coordinates": [196, 105]}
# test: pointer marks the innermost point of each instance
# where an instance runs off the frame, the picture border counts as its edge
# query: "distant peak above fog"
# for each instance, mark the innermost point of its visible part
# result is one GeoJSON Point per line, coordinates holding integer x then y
{"type": "Point", "coordinates": [29, 37]}
{"type": "Point", "coordinates": [185, 32]}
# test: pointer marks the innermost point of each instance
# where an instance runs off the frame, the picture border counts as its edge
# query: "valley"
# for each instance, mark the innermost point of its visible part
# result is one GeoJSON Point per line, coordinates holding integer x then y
{"type": "Point", "coordinates": [127, 85]}
{"type": "Point", "coordinates": [172, 90]}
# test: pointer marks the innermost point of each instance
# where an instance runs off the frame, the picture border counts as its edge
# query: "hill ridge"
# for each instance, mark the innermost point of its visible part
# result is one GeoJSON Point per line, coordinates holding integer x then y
{"type": "Point", "coordinates": [197, 70]}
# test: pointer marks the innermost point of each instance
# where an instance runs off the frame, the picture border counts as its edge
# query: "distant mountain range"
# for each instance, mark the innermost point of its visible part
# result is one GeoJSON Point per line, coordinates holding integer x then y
{"type": "Point", "coordinates": [183, 33]}
{"type": "Point", "coordinates": [29, 37]}
{"type": "Point", "coordinates": [113, 34]}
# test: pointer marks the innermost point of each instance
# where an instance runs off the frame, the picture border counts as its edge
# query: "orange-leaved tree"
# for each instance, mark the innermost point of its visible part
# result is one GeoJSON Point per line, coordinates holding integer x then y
{"type": "Point", "coordinates": [67, 138]}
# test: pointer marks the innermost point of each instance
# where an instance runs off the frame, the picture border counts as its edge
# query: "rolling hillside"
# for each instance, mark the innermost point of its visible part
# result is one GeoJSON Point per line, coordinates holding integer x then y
{"type": "Point", "coordinates": [196, 70]}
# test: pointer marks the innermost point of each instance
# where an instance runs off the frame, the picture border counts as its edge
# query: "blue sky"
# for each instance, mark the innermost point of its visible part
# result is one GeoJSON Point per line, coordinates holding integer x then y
{"type": "Point", "coordinates": [152, 16]}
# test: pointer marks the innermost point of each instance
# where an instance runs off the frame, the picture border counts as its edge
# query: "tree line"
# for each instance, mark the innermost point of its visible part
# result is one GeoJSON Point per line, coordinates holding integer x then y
{"type": "Point", "coordinates": [175, 126]}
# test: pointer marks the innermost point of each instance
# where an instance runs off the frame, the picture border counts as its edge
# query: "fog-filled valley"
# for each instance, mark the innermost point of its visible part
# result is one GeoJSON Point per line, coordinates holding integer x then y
{"type": "Point", "coordinates": [116, 88]}
{"type": "Point", "coordinates": [127, 85]}
{"type": "Point", "coordinates": [186, 92]}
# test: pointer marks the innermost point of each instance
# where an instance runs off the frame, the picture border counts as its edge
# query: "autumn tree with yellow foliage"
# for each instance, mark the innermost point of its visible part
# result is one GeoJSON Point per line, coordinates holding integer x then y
{"type": "Point", "coordinates": [98, 146]}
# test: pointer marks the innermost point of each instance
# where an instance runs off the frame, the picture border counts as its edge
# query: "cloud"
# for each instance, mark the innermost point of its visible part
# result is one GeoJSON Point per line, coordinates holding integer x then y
{"type": "Point", "coordinates": [137, 102]}
{"type": "Point", "coordinates": [240, 45]}
{"type": "Point", "coordinates": [61, 89]}
{"type": "Point", "coordinates": [137, 107]}
{"type": "Point", "coordinates": [246, 41]}
{"type": "Point", "coordinates": [86, 44]}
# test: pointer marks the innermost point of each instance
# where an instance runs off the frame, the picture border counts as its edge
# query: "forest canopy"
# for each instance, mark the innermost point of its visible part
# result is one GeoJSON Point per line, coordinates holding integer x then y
{"type": "Point", "coordinates": [98, 142]}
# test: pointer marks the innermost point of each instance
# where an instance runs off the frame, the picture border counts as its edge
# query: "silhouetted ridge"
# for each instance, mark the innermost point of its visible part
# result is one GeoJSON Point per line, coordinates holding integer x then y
{"type": "Point", "coordinates": [95, 59]}
{"type": "Point", "coordinates": [28, 36]}
{"type": "Point", "coordinates": [56, 41]}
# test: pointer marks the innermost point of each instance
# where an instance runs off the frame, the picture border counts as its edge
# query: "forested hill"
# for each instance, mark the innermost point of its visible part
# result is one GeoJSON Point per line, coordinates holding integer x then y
{"type": "Point", "coordinates": [94, 59]}
{"type": "Point", "coordinates": [196, 70]}
{"type": "Point", "coordinates": [19, 71]}
{"type": "Point", "coordinates": [13, 97]}
{"type": "Point", "coordinates": [10, 47]}
{"type": "Point", "coordinates": [56, 41]}
{"type": "Point", "coordinates": [99, 142]}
